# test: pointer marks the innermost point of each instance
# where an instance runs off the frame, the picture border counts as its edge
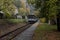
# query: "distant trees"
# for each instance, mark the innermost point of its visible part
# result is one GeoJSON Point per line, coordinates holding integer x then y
{"type": "Point", "coordinates": [21, 5]}
{"type": "Point", "coordinates": [31, 1]}
{"type": "Point", "coordinates": [7, 7]}
{"type": "Point", "coordinates": [17, 3]}
{"type": "Point", "coordinates": [47, 8]}
{"type": "Point", "coordinates": [50, 9]}
{"type": "Point", "coordinates": [23, 8]}
{"type": "Point", "coordinates": [22, 11]}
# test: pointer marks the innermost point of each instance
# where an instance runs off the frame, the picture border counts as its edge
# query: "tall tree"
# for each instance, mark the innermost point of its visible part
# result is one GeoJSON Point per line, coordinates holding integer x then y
{"type": "Point", "coordinates": [31, 2]}
{"type": "Point", "coordinates": [17, 3]}
{"type": "Point", "coordinates": [7, 7]}
{"type": "Point", "coordinates": [58, 15]}
{"type": "Point", "coordinates": [48, 8]}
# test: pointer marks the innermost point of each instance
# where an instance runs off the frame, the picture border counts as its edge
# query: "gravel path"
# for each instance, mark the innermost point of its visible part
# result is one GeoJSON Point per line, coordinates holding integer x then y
{"type": "Point", "coordinates": [27, 34]}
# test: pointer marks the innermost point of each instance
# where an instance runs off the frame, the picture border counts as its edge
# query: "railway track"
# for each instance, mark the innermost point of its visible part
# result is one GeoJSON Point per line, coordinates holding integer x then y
{"type": "Point", "coordinates": [14, 33]}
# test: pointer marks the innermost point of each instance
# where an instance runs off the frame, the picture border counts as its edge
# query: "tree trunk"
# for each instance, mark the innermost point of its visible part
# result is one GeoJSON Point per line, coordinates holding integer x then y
{"type": "Point", "coordinates": [49, 22]}
{"type": "Point", "coordinates": [58, 22]}
{"type": "Point", "coordinates": [1, 15]}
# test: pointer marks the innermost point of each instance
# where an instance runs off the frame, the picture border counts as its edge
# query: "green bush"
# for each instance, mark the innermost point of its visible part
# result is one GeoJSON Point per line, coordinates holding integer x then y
{"type": "Point", "coordinates": [42, 20]}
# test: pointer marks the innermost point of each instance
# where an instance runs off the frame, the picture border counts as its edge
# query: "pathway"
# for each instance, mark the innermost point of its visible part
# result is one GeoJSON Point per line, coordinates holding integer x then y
{"type": "Point", "coordinates": [27, 34]}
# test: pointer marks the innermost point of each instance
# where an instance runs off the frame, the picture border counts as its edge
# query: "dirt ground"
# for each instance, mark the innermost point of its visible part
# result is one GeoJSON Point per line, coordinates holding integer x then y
{"type": "Point", "coordinates": [47, 35]}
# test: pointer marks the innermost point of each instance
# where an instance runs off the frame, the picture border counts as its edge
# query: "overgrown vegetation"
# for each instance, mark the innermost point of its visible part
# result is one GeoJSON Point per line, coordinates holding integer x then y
{"type": "Point", "coordinates": [9, 8]}
{"type": "Point", "coordinates": [46, 27]}
{"type": "Point", "coordinates": [13, 21]}
{"type": "Point", "coordinates": [46, 32]}
{"type": "Point", "coordinates": [48, 9]}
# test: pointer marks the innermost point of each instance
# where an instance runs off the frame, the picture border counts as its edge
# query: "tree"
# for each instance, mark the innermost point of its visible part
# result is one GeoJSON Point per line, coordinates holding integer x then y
{"type": "Point", "coordinates": [24, 8]}
{"type": "Point", "coordinates": [48, 8]}
{"type": "Point", "coordinates": [36, 13]}
{"type": "Point", "coordinates": [17, 3]}
{"type": "Point", "coordinates": [52, 11]}
{"type": "Point", "coordinates": [58, 15]}
{"type": "Point", "coordinates": [7, 7]}
{"type": "Point", "coordinates": [31, 2]}
{"type": "Point", "coordinates": [22, 11]}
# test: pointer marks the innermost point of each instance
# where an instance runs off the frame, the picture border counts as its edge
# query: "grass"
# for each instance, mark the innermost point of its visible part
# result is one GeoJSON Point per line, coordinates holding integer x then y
{"type": "Point", "coordinates": [46, 32]}
{"type": "Point", "coordinates": [11, 21]}
{"type": "Point", "coordinates": [15, 20]}
{"type": "Point", "coordinates": [46, 27]}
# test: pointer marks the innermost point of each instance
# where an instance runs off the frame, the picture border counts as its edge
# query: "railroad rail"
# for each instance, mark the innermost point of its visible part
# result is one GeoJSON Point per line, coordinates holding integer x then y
{"type": "Point", "coordinates": [14, 33]}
